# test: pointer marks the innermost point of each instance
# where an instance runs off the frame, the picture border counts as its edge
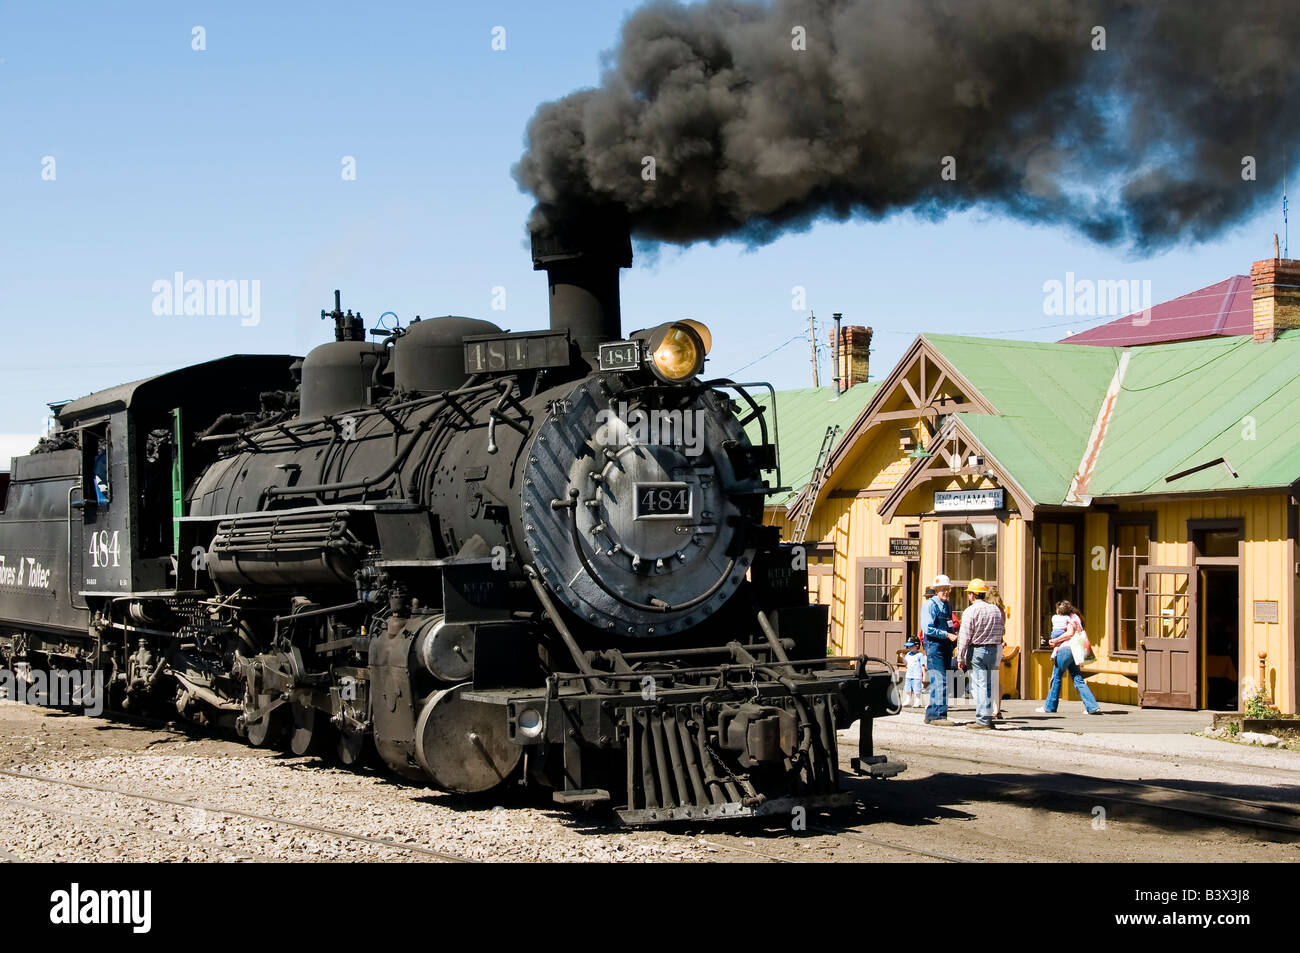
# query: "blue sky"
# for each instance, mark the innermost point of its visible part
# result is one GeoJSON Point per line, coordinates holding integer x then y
{"type": "Point", "coordinates": [226, 164]}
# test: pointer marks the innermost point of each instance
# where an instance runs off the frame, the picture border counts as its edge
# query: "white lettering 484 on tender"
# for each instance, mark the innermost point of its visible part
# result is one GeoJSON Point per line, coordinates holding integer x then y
{"type": "Point", "coordinates": [104, 549]}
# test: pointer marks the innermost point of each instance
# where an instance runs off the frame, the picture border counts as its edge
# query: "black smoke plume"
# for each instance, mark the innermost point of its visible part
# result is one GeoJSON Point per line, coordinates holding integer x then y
{"type": "Point", "coordinates": [1140, 144]}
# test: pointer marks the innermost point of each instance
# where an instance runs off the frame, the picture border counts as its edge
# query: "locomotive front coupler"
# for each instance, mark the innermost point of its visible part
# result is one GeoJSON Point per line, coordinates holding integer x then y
{"type": "Point", "coordinates": [753, 736]}
{"type": "Point", "coordinates": [566, 696]}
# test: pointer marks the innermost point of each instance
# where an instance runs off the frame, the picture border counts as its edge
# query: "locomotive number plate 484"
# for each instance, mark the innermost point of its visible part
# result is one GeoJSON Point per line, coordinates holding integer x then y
{"type": "Point", "coordinates": [620, 356]}
{"type": "Point", "coordinates": [662, 501]}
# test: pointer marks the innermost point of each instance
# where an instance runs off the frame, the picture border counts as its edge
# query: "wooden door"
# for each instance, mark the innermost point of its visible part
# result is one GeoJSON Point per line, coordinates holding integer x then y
{"type": "Point", "coordinates": [881, 608]}
{"type": "Point", "coordinates": [1167, 638]}
{"type": "Point", "coordinates": [821, 588]}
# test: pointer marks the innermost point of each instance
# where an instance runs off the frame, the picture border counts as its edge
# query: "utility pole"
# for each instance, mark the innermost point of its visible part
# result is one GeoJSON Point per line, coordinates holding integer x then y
{"type": "Point", "coordinates": [838, 350]}
{"type": "Point", "coordinates": [812, 333]}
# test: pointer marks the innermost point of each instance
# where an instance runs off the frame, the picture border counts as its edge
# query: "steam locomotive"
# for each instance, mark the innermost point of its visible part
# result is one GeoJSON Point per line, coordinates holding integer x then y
{"type": "Point", "coordinates": [482, 557]}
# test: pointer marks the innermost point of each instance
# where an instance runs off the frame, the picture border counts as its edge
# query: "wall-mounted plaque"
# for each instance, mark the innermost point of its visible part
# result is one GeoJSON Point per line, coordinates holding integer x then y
{"type": "Point", "coordinates": [907, 547]}
{"type": "Point", "coordinates": [1265, 611]}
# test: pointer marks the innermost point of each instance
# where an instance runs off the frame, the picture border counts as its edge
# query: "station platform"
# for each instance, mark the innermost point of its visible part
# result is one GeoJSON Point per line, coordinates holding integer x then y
{"type": "Point", "coordinates": [1069, 718]}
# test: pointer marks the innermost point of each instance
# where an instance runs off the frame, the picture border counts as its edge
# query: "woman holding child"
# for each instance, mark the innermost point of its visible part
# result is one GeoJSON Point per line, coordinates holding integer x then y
{"type": "Point", "coordinates": [1066, 623]}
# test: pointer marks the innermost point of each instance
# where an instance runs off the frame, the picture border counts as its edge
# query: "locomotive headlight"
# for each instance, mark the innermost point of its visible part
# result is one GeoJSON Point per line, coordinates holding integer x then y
{"type": "Point", "coordinates": [676, 351]}
{"type": "Point", "coordinates": [700, 328]}
{"type": "Point", "coordinates": [530, 723]}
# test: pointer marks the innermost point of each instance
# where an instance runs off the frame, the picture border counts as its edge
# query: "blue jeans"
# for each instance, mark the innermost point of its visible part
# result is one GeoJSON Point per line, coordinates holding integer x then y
{"type": "Point", "coordinates": [936, 658]}
{"type": "Point", "coordinates": [1064, 662]}
{"type": "Point", "coordinates": [984, 663]}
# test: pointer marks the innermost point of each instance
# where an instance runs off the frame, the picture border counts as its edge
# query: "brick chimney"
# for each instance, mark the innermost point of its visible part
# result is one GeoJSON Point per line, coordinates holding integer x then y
{"type": "Point", "coordinates": [1276, 296]}
{"type": "Point", "coordinates": [855, 355]}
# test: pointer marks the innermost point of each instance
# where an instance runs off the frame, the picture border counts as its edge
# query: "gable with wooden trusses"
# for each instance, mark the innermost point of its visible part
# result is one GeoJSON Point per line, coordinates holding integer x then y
{"type": "Point", "coordinates": [922, 389]}
{"type": "Point", "coordinates": [955, 414]}
{"type": "Point", "coordinates": [1028, 405]}
{"type": "Point", "coordinates": [957, 458]}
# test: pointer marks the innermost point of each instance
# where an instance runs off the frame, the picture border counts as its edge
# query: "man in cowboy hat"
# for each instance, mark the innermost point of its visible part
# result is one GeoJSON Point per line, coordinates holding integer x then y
{"type": "Point", "coordinates": [981, 631]}
{"type": "Point", "coordinates": [936, 626]}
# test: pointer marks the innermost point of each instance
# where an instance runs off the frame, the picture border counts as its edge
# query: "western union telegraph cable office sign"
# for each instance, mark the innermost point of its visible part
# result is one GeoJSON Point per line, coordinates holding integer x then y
{"type": "Point", "coordinates": [963, 501]}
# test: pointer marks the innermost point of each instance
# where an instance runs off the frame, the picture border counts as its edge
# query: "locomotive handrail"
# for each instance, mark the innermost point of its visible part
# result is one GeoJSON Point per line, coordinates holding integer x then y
{"type": "Point", "coordinates": [739, 388]}
{"type": "Point", "coordinates": [71, 588]}
{"type": "Point", "coordinates": [724, 668]}
{"type": "Point", "coordinates": [495, 415]}
{"type": "Point", "coordinates": [362, 484]}
{"type": "Point", "coordinates": [680, 653]}
{"type": "Point", "coordinates": [359, 412]}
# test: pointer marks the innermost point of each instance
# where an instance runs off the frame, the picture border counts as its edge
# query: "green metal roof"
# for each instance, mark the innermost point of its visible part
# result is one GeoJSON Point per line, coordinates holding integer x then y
{"type": "Point", "coordinates": [1046, 395]}
{"type": "Point", "coordinates": [1187, 403]}
{"type": "Point", "coordinates": [802, 417]}
{"type": "Point", "coordinates": [1181, 405]}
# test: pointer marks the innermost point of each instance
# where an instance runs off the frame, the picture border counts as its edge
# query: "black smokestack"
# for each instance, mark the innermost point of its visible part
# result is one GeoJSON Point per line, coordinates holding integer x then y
{"type": "Point", "coordinates": [581, 253]}
{"type": "Point", "coordinates": [1139, 123]}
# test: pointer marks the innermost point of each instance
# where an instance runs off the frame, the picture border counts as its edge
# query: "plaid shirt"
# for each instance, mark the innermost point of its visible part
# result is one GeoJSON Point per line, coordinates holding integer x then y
{"type": "Point", "coordinates": [981, 624]}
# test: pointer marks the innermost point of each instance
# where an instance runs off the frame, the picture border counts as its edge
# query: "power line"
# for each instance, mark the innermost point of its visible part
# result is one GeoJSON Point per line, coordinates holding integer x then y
{"type": "Point", "coordinates": [1083, 319]}
{"type": "Point", "coordinates": [801, 336]}
{"type": "Point", "coordinates": [1134, 390]}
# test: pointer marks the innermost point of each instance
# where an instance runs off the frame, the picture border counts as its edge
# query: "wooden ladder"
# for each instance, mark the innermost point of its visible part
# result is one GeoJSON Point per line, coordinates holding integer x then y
{"type": "Point", "coordinates": [815, 484]}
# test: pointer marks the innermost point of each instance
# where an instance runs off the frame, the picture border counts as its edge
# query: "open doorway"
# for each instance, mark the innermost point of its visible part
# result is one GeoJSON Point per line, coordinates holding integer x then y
{"type": "Point", "coordinates": [1217, 555]}
{"type": "Point", "coordinates": [1220, 623]}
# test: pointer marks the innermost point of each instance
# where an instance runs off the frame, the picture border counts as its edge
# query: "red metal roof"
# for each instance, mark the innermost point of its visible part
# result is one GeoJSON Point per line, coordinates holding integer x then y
{"type": "Point", "coordinates": [1218, 310]}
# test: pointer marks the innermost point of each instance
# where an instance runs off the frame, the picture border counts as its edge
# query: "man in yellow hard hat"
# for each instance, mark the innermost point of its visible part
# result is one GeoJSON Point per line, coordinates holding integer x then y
{"type": "Point", "coordinates": [982, 626]}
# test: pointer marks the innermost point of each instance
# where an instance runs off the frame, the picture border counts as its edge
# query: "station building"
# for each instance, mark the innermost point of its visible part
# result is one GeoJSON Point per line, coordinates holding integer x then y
{"type": "Point", "coordinates": [1146, 471]}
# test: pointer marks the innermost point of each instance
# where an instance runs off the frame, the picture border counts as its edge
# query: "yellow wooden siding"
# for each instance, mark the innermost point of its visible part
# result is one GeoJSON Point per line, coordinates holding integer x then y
{"type": "Point", "coordinates": [858, 532]}
{"type": "Point", "coordinates": [882, 462]}
{"type": "Point", "coordinates": [1291, 701]}
{"type": "Point", "coordinates": [1267, 574]}
{"type": "Point", "coordinates": [1266, 571]}
{"type": "Point", "coordinates": [1011, 576]}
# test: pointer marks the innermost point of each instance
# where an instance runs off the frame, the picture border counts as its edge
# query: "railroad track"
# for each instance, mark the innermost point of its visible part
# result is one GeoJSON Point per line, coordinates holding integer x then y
{"type": "Point", "coordinates": [1284, 818]}
{"type": "Point", "coordinates": [834, 832]}
{"type": "Point", "coordinates": [247, 815]}
{"type": "Point", "coordinates": [775, 858]}
{"type": "Point", "coordinates": [18, 806]}
{"type": "Point", "coordinates": [854, 835]}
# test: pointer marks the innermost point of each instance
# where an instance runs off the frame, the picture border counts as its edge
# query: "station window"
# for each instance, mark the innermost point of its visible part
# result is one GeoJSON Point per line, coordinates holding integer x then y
{"type": "Point", "coordinates": [970, 550]}
{"type": "Point", "coordinates": [1130, 551]}
{"type": "Point", "coordinates": [1058, 571]}
{"type": "Point", "coordinates": [882, 594]}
